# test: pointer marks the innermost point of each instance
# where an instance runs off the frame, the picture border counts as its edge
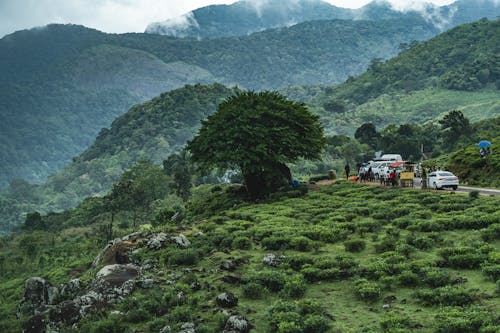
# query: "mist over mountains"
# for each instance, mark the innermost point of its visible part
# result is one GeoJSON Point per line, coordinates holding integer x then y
{"type": "Point", "coordinates": [247, 16]}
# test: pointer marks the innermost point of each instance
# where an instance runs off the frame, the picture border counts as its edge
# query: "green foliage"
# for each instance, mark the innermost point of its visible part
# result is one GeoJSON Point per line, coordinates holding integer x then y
{"type": "Point", "coordinates": [354, 245]}
{"type": "Point", "coordinates": [367, 290]}
{"type": "Point", "coordinates": [257, 133]}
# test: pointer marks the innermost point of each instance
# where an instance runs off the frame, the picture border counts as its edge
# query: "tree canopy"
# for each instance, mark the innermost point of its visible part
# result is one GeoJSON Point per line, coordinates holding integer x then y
{"type": "Point", "coordinates": [258, 133]}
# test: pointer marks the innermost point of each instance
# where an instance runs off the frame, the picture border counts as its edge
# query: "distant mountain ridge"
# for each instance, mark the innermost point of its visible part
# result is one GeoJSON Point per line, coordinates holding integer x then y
{"type": "Point", "coordinates": [246, 16]}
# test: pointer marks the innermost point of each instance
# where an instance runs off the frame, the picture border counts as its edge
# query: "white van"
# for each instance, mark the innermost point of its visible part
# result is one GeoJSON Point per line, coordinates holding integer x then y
{"type": "Point", "coordinates": [391, 157]}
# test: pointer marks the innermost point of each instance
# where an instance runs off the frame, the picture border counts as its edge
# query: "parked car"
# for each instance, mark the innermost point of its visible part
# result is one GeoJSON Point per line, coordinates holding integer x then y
{"type": "Point", "coordinates": [380, 168]}
{"type": "Point", "coordinates": [440, 179]}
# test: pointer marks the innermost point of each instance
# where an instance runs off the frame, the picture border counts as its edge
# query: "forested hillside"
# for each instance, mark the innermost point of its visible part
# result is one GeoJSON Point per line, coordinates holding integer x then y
{"type": "Point", "coordinates": [64, 79]}
{"type": "Point", "coordinates": [150, 131]}
{"type": "Point", "coordinates": [245, 17]}
{"type": "Point", "coordinates": [459, 69]}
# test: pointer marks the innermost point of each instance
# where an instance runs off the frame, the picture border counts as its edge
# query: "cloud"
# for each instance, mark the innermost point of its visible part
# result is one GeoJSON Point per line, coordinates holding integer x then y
{"type": "Point", "coordinates": [106, 15]}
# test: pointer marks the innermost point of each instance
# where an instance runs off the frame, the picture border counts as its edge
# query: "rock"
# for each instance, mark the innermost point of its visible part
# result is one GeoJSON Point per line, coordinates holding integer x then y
{"type": "Point", "coordinates": [273, 260]}
{"type": "Point", "coordinates": [147, 283]}
{"type": "Point", "coordinates": [35, 324]}
{"type": "Point", "coordinates": [71, 289]}
{"type": "Point", "coordinates": [181, 241]}
{"type": "Point", "coordinates": [187, 328]}
{"type": "Point", "coordinates": [156, 241]}
{"type": "Point", "coordinates": [390, 299]}
{"type": "Point", "coordinates": [67, 312]}
{"type": "Point", "coordinates": [166, 329]}
{"type": "Point", "coordinates": [227, 300]}
{"type": "Point", "coordinates": [195, 286]}
{"type": "Point", "coordinates": [236, 324]}
{"type": "Point", "coordinates": [116, 275]}
{"type": "Point", "coordinates": [37, 292]}
{"type": "Point", "coordinates": [386, 306]}
{"type": "Point", "coordinates": [228, 265]}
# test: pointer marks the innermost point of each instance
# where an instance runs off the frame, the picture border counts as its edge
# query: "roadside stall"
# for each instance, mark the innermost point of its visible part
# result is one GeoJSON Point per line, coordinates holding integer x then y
{"type": "Point", "coordinates": [406, 172]}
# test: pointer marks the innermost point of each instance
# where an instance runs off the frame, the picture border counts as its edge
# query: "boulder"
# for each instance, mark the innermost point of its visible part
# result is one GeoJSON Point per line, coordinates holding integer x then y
{"type": "Point", "coordinates": [166, 329]}
{"type": "Point", "coordinates": [273, 260]}
{"type": "Point", "coordinates": [181, 241]}
{"type": "Point", "coordinates": [227, 300]}
{"type": "Point", "coordinates": [116, 275]}
{"type": "Point", "coordinates": [71, 289]}
{"type": "Point", "coordinates": [156, 241]}
{"type": "Point", "coordinates": [37, 292]}
{"type": "Point", "coordinates": [236, 324]}
{"type": "Point", "coordinates": [188, 328]}
{"type": "Point", "coordinates": [35, 324]}
{"type": "Point", "coordinates": [67, 312]}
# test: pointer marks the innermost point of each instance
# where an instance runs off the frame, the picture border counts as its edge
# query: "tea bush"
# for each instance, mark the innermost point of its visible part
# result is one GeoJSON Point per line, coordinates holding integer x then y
{"type": "Point", "coordinates": [272, 280]}
{"type": "Point", "coordinates": [448, 295]}
{"type": "Point", "coordinates": [295, 287]}
{"type": "Point", "coordinates": [316, 324]}
{"type": "Point", "coordinates": [252, 290]}
{"type": "Point", "coordinates": [367, 290]}
{"type": "Point", "coordinates": [436, 277]}
{"type": "Point", "coordinates": [242, 243]}
{"type": "Point", "coordinates": [354, 245]}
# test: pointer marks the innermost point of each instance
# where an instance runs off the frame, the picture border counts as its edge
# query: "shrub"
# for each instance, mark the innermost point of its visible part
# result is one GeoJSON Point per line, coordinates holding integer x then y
{"type": "Point", "coordinates": [409, 279]}
{"type": "Point", "coordinates": [493, 271]}
{"type": "Point", "coordinates": [491, 233]}
{"type": "Point", "coordinates": [137, 316]}
{"type": "Point", "coordinates": [308, 306]}
{"type": "Point", "coordinates": [253, 290]}
{"type": "Point", "coordinates": [272, 280]}
{"type": "Point", "coordinates": [420, 242]}
{"type": "Point", "coordinates": [453, 320]}
{"type": "Point", "coordinates": [367, 290]}
{"type": "Point", "coordinates": [301, 243]}
{"type": "Point", "coordinates": [242, 243]}
{"type": "Point", "coordinates": [354, 245]}
{"type": "Point", "coordinates": [295, 287]}
{"type": "Point", "coordinates": [289, 327]}
{"type": "Point", "coordinates": [388, 243]}
{"type": "Point", "coordinates": [447, 295]}
{"type": "Point", "coordinates": [394, 322]}
{"type": "Point", "coordinates": [437, 278]}
{"type": "Point", "coordinates": [181, 314]}
{"type": "Point", "coordinates": [183, 257]}
{"type": "Point", "coordinates": [297, 261]}
{"type": "Point", "coordinates": [275, 243]}
{"type": "Point", "coordinates": [316, 324]}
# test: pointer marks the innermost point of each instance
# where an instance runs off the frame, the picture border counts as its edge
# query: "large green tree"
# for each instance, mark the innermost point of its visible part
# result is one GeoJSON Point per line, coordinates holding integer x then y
{"type": "Point", "coordinates": [258, 133]}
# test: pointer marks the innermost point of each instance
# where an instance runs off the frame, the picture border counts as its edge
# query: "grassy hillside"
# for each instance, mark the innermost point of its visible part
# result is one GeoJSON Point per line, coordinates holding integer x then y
{"type": "Point", "coordinates": [355, 258]}
{"type": "Point", "coordinates": [63, 79]}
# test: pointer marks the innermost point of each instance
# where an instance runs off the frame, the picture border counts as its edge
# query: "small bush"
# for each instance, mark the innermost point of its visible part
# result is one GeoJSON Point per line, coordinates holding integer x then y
{"type": "Point", "coordinates": [394, 322]}
{"type": "Point", "coordinates": [297, 261]}
{"type": "Point", "coordinates": [253, 290]}
{"type": "Point", "coordinates": [316, 324]}
{"type": "Point", "coordinates": [408, 279]}
{"type": "Point", "coordinates": [242, 243]}
{"type": "Point", "coordinates": [366, 290]}
{"type": "Point", "coordinates": [491, 233]}
{"type": "Point", "coordinates": [183, 257]}
{"type": "Point", "coordinates": [272, 280]}
{"type": "Point", "coordinates": [275, 243]}
{"type": "Point", "coordinates": [301, 243]}
{"type": "Point", "coordinates": [447, 295]}
{"type": "Point", "coordinates": [493, 271]}
{"type": "Point", "coordinates": [137, 316]}
{"type": "Point", "coordinates": [354, 245]}
{"type": "Point", "coordinates": [295, 287]}
{"type": "Point", "coordinates": [437, 278]}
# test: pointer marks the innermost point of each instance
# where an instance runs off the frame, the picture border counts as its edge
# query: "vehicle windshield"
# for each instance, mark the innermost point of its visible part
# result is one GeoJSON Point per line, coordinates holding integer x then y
{"type": "Point", "coordinates": [446, 174]}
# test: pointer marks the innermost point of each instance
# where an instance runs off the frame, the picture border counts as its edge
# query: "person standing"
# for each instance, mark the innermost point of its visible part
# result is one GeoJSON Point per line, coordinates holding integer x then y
{"type": "Point", "coordinates": [347, 169]}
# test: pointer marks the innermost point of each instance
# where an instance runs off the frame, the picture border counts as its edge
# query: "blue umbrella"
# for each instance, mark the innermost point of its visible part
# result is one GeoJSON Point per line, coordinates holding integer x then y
{"type": "Point", "coordinates": [484, 144]}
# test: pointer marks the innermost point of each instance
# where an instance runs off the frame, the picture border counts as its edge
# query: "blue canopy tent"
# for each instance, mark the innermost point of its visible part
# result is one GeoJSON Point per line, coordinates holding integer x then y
{"type": "Point", "coordinates": [484, 144]}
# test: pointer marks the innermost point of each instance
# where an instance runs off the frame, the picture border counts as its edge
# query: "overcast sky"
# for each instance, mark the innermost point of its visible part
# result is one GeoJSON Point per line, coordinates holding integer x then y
{"type": "Point", "coordinates": [122, 15]}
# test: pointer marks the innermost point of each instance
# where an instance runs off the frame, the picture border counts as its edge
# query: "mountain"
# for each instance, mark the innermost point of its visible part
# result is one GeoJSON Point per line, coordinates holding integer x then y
{"type": "Point", "coordinates": [459, 69]}
{"type": "Point", "coordinates": [61, 84]}
{"type": "Point", "coordinates": [247, 16]}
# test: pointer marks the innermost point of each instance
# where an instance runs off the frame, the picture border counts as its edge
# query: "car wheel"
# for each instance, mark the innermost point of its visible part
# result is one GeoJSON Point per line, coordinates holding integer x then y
{"type": "Point", "coordinates": [454, 187]}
